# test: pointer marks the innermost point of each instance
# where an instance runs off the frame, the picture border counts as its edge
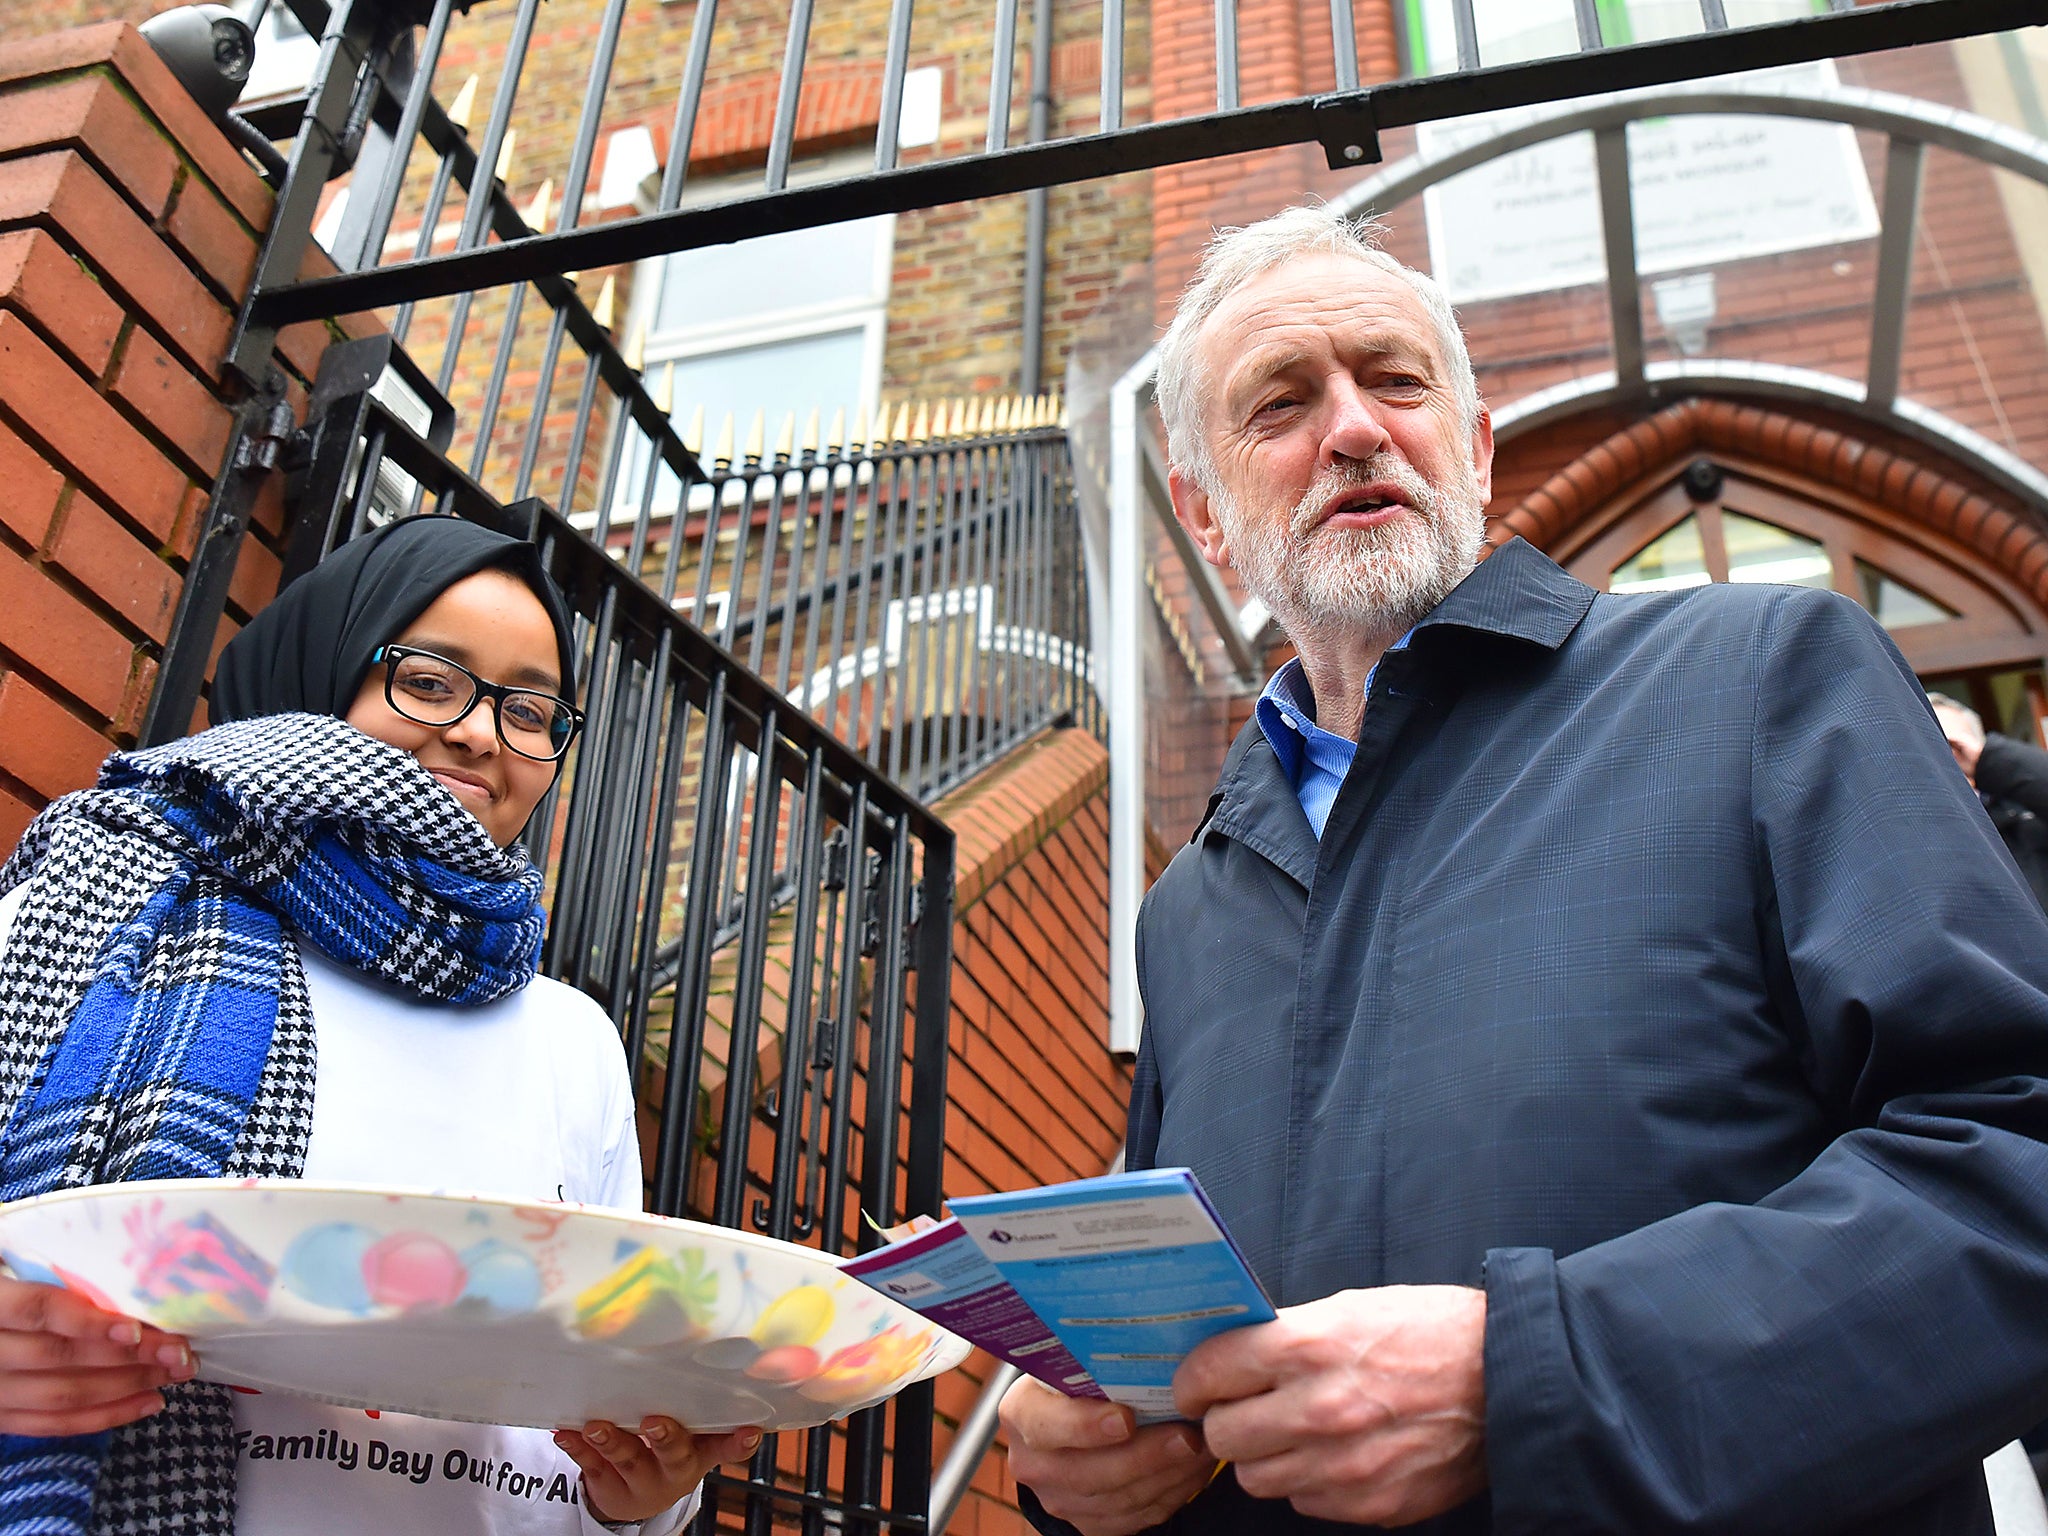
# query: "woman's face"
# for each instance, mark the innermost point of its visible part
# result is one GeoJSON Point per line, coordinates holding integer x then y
{"type": "Point", "coordinates": [494, 625]}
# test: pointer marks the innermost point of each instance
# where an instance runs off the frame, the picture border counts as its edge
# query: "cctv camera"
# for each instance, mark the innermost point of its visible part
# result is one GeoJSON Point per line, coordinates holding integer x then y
{"type": "Point", "coordinates": [209, 48]}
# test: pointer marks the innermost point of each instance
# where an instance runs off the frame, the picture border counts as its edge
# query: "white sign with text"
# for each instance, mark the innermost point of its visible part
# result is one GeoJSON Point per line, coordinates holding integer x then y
{"type": "Point", "coordinates": [1707, 189]}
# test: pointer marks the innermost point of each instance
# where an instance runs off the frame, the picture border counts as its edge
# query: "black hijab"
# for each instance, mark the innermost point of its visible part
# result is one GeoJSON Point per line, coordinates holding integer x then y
{"type": "Point", "coordinates": [309, 649]}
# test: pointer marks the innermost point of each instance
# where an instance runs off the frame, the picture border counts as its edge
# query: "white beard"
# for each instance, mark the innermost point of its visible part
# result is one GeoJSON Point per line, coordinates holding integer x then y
{"type": "Point", "coordinates": [1373, 581]}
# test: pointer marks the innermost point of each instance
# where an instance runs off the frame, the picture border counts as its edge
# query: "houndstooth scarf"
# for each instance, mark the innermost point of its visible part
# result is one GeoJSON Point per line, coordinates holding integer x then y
{"type": "Point", "coordinates": [154, 1020]}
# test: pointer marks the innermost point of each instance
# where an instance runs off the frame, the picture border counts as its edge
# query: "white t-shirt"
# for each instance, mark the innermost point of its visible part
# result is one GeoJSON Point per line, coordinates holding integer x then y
{"type": "Point", "coordinates": [527, 1097]}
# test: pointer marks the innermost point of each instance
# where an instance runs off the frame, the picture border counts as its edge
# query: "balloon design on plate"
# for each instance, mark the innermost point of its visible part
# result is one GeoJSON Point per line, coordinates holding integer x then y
{"type": "Point", "coordinates": [350, 1268]}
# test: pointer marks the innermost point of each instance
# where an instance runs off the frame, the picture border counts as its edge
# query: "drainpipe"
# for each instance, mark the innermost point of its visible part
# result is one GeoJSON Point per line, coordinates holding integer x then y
{"type": "Point", "coordinates": [1028, 371]}
{"type": "Point", "coordinates": [1128, 611]}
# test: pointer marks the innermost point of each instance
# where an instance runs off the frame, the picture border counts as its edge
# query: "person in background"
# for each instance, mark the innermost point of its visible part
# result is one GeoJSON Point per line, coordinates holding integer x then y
{"type": "Point", "coordinates": [303, 944]}
{"type": "Point", "coordinates": [2011, 778]}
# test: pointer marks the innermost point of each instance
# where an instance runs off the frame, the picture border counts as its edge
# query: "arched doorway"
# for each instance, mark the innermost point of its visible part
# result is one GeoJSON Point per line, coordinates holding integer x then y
{"type": "Point", "coordinates": [1746, 495]}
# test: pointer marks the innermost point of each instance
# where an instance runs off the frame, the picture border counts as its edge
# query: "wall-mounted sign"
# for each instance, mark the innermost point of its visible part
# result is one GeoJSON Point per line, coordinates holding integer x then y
{"type": "Point", "coordinates": [1707, 190]}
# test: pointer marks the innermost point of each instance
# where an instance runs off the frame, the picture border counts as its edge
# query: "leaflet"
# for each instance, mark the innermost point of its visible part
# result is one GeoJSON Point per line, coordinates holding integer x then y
{"type": "Point", "coordinates": [1099, 1288]}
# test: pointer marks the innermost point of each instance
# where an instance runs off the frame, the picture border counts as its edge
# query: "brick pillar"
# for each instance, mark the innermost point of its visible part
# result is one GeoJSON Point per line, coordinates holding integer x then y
{"type": "Point", "coordinates": [128, 232]}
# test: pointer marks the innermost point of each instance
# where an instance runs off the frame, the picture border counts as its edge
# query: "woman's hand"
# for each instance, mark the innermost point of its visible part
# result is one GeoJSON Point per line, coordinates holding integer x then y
{"type": "Point", "coordinates": [636, 1475]}
{"type": "Point", "coordinates": [68, 1367]}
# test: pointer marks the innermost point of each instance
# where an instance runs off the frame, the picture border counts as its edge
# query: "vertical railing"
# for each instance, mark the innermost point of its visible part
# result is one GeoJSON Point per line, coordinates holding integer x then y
{"type": "Point", "coordinates": [767, 916]}
{"type": "Point", "coordinates": [916, 584]}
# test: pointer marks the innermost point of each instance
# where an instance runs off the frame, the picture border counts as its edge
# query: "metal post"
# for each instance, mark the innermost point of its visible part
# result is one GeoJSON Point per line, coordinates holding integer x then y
{"type": "Point", "coordinates": [1128, 606]}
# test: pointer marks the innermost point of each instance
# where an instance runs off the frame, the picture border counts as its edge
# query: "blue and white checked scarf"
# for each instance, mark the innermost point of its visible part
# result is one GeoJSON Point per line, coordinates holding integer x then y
{"type": "Point", "coordinates": [154, 1021]}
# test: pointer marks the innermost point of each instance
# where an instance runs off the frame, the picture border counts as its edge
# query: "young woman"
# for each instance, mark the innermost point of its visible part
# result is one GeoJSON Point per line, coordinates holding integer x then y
{"type": "Point", "coordinates": [302, 944]}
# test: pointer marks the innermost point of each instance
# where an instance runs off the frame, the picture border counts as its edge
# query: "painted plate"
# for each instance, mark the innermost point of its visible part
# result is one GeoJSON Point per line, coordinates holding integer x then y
{"type": "Point", "coordinates": [470, 1307]}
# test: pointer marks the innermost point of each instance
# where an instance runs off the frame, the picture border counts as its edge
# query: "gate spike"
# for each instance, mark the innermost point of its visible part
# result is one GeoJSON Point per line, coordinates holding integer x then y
{"type": "Point", "coordinates": [757, 435]}
{"type": "Point", "coordinates": [463, 105]}
{"type": "Point", "coordinates": [785, 440]}
{"type": "Point", "coordinates": [1043, 416]}
{"type": "Point", "coordinates": [537, 215]}
{"type": "Point", "coordinates": [694, 438]}
{"type": "Point", "coordinates": [601, 312]}
{"type": "Point", "coordinates": [810, 443]}
{"type": "Point", "coordinates": [722, 455]}
{"type": "Point", "coordinates": [994, 415]}
{"type": "Point", "coordinates": [835, 439]}
{"type": "Point", "coordinates": [664, 391]}
{"type": "Point", "coordinates": [635, 350]}
{"type": "Point", "coordinates": [900, 433]}
{"type": "Point", "coordinates": [505, 156]}
{"type": "Point", "coordinates": [1060, 419]}
{"type": "Point", "coordinates": [920, 424]}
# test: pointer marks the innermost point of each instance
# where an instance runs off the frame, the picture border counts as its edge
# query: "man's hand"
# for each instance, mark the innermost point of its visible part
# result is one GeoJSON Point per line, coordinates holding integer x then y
{"type": "Point", "coordinates": [69, 1368]}
{"type": "Point", "coordinates": [1091, 1466]}
{"type": "Point", "coordinates": [635, 1475]}
{"type": "Point", "coordinates": [1367, 1406]}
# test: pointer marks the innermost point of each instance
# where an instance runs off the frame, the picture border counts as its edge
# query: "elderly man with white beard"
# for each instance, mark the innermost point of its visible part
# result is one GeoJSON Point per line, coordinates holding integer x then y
{"type": "Point", "coordinates": [1608, 1024]}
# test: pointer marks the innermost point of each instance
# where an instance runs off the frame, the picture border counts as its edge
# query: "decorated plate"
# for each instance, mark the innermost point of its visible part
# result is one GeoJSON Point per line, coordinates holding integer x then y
{"type": "Point", "coordinates": [470, 1307]}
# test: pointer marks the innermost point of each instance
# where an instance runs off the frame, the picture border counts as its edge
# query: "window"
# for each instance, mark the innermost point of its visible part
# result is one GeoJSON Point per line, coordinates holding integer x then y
{"type": "Point", "coordinates": [783, 324]}
{"type": "Point", "coordinates": [1511, 31]}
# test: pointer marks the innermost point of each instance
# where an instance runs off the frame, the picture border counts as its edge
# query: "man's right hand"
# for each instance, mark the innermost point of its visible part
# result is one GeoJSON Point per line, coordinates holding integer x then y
{"type": "Point", "coordinates": [1092, 1467]}
{"type": "Point", "coordinates": [69, 1368]}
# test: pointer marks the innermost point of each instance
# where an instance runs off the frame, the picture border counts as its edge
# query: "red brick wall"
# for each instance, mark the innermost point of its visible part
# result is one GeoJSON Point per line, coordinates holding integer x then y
{"type": "Point", "coordinates": [128, 228]}
{"type": "Point", "coordinates": [1034, 1095]}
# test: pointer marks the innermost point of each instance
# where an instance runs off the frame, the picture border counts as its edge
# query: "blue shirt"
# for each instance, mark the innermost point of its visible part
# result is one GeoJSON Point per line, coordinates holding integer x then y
{"type": "Point", "coordinates": [1314, 760]}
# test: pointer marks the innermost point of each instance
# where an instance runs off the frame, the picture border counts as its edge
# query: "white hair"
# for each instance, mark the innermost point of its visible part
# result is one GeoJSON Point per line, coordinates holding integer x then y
{"type": "Point", "coordinates": [1969, 721]}
{"type": "Point", "coordinates": [1233, 258]}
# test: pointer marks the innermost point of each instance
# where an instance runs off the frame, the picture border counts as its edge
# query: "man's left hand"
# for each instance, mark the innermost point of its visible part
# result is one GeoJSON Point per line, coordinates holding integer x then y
{"type": "Point", "coordinates": [1367, 1406]}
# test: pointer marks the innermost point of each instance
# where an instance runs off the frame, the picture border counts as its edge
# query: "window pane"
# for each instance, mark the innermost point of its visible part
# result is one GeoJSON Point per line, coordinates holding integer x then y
{"type": "Point", "coordinates": [1764, 552]}
{"type": "Point", "coordinates": [806, 372]}
{"type": "Point", "coordinates": [1750, 13]}
{"type": "Point", "coordinates": [1895, 604]}
{"type": "Point", "coordinates": [1649, 20]}
{"type": "Point", "coordinates": [798, 270]}
{"type": "Point", "coordinates": [1511, 31]}
{"type": "Point", "coordinates": [1674, 560]}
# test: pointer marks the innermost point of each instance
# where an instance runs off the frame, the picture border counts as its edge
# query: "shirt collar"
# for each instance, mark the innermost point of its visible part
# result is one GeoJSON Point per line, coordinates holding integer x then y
{"type": "Point", "coordinates": [1284, 710]}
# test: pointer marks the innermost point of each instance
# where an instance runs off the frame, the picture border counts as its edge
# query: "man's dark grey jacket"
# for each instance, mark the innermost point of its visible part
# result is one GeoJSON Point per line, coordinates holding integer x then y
{"type": "Point", "coordinates": [1657, 971]}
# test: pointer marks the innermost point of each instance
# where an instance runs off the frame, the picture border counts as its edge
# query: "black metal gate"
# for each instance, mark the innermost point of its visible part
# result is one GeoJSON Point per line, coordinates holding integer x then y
{"type": "Point", "coordinates": [767, 916]}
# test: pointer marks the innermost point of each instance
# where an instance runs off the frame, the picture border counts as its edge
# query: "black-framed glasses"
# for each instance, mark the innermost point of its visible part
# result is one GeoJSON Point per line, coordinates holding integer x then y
{"type": "Point", "coordinates": [432, 690]}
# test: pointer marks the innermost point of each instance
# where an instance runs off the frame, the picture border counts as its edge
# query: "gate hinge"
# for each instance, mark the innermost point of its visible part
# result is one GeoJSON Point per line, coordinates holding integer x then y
{"type": "Point", "coordinates": [271, 428]}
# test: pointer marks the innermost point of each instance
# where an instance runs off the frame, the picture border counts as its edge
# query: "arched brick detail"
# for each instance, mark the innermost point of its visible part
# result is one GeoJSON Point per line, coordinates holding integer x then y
{"type": "Point", "coordinates": [1590, 482]}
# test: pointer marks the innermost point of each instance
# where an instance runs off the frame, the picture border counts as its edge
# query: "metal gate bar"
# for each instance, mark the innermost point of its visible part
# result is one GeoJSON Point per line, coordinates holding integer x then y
{"type": "Point", "coordinates": [1345, 123]}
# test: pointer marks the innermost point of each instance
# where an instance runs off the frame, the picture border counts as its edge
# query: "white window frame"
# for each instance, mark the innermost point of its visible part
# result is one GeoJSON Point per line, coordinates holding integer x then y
{"type": "Point", "coordinates": [869, 313]}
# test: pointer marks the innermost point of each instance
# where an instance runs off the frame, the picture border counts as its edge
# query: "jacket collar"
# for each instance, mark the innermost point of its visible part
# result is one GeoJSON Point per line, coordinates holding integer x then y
{"type": "Point", "coordinates": [1517, 593]}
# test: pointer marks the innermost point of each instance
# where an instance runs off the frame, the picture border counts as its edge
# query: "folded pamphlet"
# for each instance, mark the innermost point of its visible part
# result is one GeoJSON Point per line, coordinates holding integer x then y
{"type": "Point", "coordinates": [1099, 1288]}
